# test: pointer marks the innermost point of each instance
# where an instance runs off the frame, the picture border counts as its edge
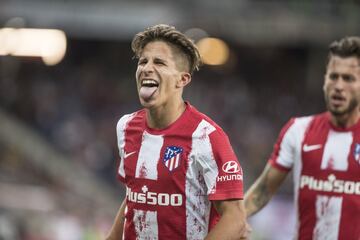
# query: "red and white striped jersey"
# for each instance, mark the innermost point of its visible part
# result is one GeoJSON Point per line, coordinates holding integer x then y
{"type": "Point", "coordinates": [172, 174]}
{"type": "Point", "coordinates": [326, 163]}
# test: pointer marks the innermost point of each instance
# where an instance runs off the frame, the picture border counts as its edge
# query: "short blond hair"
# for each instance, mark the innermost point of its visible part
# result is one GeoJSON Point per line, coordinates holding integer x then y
{"type": "Point", "coordinates": [168, 34]}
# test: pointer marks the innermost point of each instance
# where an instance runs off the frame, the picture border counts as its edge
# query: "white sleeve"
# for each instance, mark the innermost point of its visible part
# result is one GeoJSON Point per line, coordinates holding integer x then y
{"type": "Point", "coordinates": [120, 132]}
{"type": "Point", "coordinates": [288, 146]}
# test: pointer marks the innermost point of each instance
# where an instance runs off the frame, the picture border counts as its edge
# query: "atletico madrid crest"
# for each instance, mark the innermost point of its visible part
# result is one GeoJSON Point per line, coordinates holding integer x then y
{"type": "Point", "coordinates": [172, 157]}
{"type": "Point", "coordinates": [357, 152]}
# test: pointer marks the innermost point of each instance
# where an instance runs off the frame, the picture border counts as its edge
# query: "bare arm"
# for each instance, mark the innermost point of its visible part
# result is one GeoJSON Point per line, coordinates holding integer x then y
{"type": "Point", "coordinates": [116, 231]}
{"type": "Point", "coordinates": [263, 189]}
{"type": "Point", "coordinates": [232, 224]}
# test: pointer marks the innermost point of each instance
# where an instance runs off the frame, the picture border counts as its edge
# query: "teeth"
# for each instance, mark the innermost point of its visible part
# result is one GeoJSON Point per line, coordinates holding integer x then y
{"type": "Point", "coordinates": [149, 82]}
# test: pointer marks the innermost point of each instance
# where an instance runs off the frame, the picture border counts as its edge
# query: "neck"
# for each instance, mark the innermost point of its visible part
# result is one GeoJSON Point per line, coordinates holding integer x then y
{"type": "Point", "coordinates": [163, 116]}
{"type": "Point", "coordinates": [346, 120]}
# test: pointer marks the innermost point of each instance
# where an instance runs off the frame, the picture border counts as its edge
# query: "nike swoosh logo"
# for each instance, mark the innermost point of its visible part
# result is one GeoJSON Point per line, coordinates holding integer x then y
{"type": "Point", "coordinates": [128, 154]}
{"type": "Point", "coordinates": [308, 148]}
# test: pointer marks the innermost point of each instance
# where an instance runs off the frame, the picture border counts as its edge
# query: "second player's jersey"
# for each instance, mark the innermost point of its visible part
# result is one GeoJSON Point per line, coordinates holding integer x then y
{"type": "Point", "coordinates": [172, 174]}
{"type": "Point", "coordinates": [326, 164]}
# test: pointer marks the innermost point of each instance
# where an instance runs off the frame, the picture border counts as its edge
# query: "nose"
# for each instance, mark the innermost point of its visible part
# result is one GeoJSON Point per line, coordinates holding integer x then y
{"type": "Point", "coordinates": [339, 84]}
{"type": "Point", "coordinates": [148, 67]}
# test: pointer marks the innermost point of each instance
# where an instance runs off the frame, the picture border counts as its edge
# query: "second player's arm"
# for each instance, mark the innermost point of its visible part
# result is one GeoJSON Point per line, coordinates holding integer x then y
{"type": "Point", "coordinates": [116, 231]}
{"type": "Point", "coordinates": [263, 189]}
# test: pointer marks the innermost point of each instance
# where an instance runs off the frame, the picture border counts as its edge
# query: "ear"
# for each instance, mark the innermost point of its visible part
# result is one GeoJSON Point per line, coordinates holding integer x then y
{"type": "Point", "coordinates": [184, 80]}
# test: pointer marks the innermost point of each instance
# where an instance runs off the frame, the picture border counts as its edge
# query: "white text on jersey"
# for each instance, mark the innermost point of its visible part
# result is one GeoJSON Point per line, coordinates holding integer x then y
{"type": "Point", "coordinates": [230, 177]}
{"type": "Point", "coordinates": [330, 185]}
{"type": "Point", "coordinates": [153, 198]}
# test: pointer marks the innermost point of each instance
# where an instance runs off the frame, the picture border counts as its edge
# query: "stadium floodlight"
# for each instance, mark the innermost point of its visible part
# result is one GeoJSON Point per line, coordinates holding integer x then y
{"type": "Point", "coordinates": [49, 44]}
{"type": "Point", "coordinates": [213, 51]}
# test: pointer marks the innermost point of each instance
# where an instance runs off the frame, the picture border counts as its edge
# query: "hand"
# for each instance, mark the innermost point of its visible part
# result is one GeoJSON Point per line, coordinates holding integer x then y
{"type": "Point", "coordinates": [247, 231]}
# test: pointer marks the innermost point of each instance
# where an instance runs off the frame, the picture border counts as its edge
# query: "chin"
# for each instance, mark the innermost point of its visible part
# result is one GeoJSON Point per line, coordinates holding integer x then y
{"type": "Point", "coordinates": [147, 104]}
{"type": "Point", "coordinates": [338, 111]}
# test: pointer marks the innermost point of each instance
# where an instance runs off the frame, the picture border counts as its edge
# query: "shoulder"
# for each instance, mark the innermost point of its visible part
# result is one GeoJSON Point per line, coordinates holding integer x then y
{"type": "Point", "coordinates": [306, 122]}
{"type": "Point", "coordinates": [205, 124]}
{"type": "Point", "coordinates": [125, 119]}
{"type": "Point", "coordinates": [297, 127]}
{"type": "Point", "coordinates": [300, 123]}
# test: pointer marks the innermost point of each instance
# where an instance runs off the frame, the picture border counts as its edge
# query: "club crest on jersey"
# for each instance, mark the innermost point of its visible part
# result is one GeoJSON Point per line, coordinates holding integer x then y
{"type": "Point", "coordinates": [357, 152]}
{"type": "Point", "coordinates": [172, 157]}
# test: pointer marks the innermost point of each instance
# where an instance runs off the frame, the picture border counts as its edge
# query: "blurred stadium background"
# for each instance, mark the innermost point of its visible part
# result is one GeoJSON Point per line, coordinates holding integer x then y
{"type": "Point", "coordinates": [58, 152]}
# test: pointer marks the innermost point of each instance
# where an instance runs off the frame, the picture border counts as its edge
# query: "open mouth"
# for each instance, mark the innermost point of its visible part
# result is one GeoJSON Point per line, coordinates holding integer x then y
{"type": "Point", "coordinates": [338, 99]}
{"type": "Point", "coordinates": [149, 83]}
{"type": "Point", "coordinates": [148, 88]}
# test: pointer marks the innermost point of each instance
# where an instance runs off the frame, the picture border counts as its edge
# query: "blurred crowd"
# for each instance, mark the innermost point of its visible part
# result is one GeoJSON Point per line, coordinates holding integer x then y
{"type": "Point", "coordinates": [75, 106]}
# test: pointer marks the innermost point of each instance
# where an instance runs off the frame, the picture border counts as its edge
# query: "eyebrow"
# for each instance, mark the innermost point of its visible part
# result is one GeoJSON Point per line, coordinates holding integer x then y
{"type": "Point", "coordinates": [155, 58]}
{"type": "Point", "coordinates": [159, 59]}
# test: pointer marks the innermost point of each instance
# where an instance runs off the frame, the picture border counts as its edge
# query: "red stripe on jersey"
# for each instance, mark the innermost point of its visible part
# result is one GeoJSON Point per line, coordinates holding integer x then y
{"type": "Point", "coordinates": [173, 180]}
{"type": "Point", "coordinates": [315, 134]}
{"type": "Point", "coordinates": [223, 153]}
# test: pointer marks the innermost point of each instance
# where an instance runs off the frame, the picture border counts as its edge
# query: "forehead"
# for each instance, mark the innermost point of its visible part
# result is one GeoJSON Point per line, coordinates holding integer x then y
{"type": "Point", "coordinates": [350, 65]}
{"type": "Point", "coordinates": [159, 49]}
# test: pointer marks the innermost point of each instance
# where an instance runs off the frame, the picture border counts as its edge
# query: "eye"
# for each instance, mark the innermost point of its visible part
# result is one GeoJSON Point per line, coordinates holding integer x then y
{"type": "Point", "coordinates": [348, 78]}
{"type": "Point", "coordinates": [159, 62]}
{"type": "Point", "coordinates": [333, 76]}
{"type": "Point", "coordinates": [142, 61]}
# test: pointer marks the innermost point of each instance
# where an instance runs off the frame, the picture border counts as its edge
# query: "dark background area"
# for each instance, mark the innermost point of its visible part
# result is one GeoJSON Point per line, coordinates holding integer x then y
{"type": "Point", "coordinates": [58, 150]}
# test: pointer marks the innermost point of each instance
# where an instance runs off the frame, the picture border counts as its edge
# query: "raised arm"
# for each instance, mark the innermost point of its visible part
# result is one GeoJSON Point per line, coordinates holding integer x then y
{"type": "Point", "coordinates": [263, 189]}
{"type": "Point", "coordinates": [232, 223]}
{"type": "Point", "coordinates": [117, 229]}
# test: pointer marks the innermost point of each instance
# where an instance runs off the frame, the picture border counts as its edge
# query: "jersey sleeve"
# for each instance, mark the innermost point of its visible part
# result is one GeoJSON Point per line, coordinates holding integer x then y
{"type": "Point", "coordinates": [221, 170]}
{"type": "Point", "coordinates": [120, 133]}
{"type": "Point", "coordinates": [283, 154]}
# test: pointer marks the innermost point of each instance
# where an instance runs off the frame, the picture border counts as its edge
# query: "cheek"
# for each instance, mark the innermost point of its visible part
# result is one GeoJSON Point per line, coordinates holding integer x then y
{"type": "Point", "coordinates": [137, 73]}
{"type": "Point", "coordinates": [169, 81]}
{"type": "Point", "coordinates": [326, 88]}
{"type": "Point", "coordinates": [328, 85]}
{"type": "Point", "coordinates": [356, 92]}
